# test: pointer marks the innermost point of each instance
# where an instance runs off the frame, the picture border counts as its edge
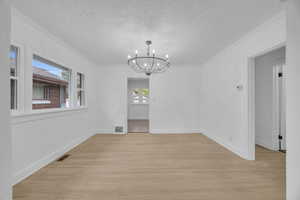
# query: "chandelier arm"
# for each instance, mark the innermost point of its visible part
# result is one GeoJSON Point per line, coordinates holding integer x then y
{"type": "Point", "coordinates": [155, 57]}
{"type": "Point", "coordinates": [138, 65]}
{"type": "Point", "coordinates": [152, 63]}
{"type": "Point", "coordinates": [134, 65]}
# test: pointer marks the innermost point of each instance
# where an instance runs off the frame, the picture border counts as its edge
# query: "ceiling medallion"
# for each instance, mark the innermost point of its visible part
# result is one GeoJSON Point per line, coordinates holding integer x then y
{"type": "Point", "coordinates": [149, 63]}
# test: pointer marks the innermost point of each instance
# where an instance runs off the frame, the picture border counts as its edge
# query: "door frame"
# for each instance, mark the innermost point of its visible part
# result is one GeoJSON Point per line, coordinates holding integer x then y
{"type": "Point", "coordinates": [251, 99]}
{"type": "Point", "coordinates": [279, 106]}
{"type": "Point", "coordinates": [127, 107]}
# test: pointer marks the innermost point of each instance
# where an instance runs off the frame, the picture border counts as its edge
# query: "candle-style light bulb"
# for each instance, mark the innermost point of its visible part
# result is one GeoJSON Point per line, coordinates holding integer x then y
{"type": "Point", "coordinates": [129, 56]}
{"type": "Point", "coordinates": [136, 52]}
{"type": "Point", "coordinates": [153, 51]}
{"type": "Point", "coordinates": [167, 56]}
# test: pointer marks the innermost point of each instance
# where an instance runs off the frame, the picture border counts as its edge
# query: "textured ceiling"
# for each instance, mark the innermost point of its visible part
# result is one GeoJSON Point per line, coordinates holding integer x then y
{"type": "Point", "coordinates": [190, 31]}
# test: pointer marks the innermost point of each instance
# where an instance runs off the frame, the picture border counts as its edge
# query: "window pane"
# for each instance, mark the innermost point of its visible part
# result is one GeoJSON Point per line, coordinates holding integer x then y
{"type": "Point", "coordinates": [13, 56]}
{"type": "Point", "coordinates": [79, 80]}
{"type": "Point", "coordinates": [13, 65]}
{"type": "Point", "coordinates": [80, 89]}
{"type": "Point", "coordinates": [51, 84]}
{"type": "Point", "coordinates": [140, 96]}
{"type": "Point", "coordinates": [80, 98]}
{"type": "Point", "coordinates": [13, 94]}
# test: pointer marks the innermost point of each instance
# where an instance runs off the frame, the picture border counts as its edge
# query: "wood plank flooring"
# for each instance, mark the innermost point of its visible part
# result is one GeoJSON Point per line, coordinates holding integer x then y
{"type": "Point", "coordinates": [156, 167]}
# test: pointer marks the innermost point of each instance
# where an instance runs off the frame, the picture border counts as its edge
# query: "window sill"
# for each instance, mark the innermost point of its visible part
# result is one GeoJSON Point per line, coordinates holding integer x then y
{"type": "Point", "coordinates": [21, 117]}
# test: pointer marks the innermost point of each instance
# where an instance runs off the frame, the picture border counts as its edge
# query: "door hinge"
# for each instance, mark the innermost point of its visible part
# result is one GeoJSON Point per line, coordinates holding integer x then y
{"type": "Point", "coordinates": [280, 137]}
{"type": "Point", "coordinates": [280, 74]}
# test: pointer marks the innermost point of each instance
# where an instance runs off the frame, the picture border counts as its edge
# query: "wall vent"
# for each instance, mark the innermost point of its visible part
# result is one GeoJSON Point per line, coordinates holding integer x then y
{"type": "Point", "coordinates": [64, 157]}
{"type": "Point", "coordinates": [119, 129]}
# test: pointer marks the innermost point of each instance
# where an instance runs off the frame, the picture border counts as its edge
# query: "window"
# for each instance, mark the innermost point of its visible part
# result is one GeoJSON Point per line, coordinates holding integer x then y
{"type": "Point", "coordinates": [80, 90]}
{"type": "Point", "coordinates": [50, 84]}
{"type": "Point", "coordinates": [14, 56]}
{"type": "Point", "coordinates": [140, 96]}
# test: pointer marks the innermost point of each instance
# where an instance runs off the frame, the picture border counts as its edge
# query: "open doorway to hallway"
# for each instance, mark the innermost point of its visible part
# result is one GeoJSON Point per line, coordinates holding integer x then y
{"type": "Point", "coordinates": [138, 105]}
{"type": "Point", "coordinates": [270, 104]}
{"type": "Point", "coordinates": [267, 111]}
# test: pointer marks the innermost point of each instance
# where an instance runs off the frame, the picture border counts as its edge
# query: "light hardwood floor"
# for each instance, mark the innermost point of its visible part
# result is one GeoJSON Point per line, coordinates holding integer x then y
{"type": "Point", "coordinates": [156, 167]}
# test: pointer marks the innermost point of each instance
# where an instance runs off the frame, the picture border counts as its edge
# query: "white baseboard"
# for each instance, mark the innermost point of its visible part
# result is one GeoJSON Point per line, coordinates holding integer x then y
{"type": "Point", "coordinates": [28, 171]}
{"type": "Point", "coordinates": [138, 119]}
{"type": "Point", "coordinates": [174, 131]}
{"type": "Point", "coordinates": [264, 144]}
{"type": "Point", "coordinates": [153, 131]}
{"type": "Point", "coordinates": [103, 131]}
{"type": "Point", "coordinates": [107, 131]}
{"type": "Point", "coordinates": [228, 146]}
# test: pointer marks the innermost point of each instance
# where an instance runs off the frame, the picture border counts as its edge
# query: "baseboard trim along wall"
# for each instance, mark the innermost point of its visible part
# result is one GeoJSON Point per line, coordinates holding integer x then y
{"type": "Point", "coordinates": [28, 171]}
{"type": "Point", "coordinates": [174, 131]}
{"type": "Point", "coordinates": [154, 131]}
{"type": "Point", "coordinates": [139, 118]}
{"type": "Point", "coordinates": [226, 145]}
{"type": "Point", "coordinates": [264, 144]}
{"type": "Point", "coordinates": [106, 131]}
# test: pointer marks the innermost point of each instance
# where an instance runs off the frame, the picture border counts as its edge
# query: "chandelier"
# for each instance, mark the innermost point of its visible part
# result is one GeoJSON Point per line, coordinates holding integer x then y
{"type": "Point", "coordinates": [149, 63]}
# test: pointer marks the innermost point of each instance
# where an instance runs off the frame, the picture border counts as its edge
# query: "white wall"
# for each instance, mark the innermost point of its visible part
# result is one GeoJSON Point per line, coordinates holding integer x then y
{"type": "Point", "coordinates": [293, 99]}
{"type": "Point", "coordinates": [224, 108]}
{"type": "Point", "coordinates": [265, 134]}
{"type": "Point", "coordinates": [5, 135]}
{"type": "Point", "coordinates": [137, 111]}
{"type": "Point", "coordinates": [173, 98]}
{"type": "Point", "coordinates": [39, 138]}
{"type": "Point", "coordinates": [175, 104]}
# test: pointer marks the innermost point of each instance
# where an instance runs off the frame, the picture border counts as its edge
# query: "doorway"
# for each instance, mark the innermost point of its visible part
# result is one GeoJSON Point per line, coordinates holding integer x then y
{"type": "Point", "coordinates": [138, 95]}
{"type": "Point", "coordinates": [269, 102]}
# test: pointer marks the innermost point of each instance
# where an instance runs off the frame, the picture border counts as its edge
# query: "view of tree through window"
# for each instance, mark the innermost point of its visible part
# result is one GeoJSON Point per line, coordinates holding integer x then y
{"type": "Point", "coordinates": [51, 84]}
{"type": "Point", "coordinates": [140, 96]}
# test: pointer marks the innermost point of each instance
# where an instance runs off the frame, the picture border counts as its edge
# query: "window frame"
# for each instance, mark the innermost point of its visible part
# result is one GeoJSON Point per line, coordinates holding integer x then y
{"type": "Point", "coordinates": [16, 78]}
{"type": "Point", "coordinates": [81, 89]}
{"type": "Point", "coordinates": [25, 112]}
{"type": "Point", "coordinates": [50, 61]}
